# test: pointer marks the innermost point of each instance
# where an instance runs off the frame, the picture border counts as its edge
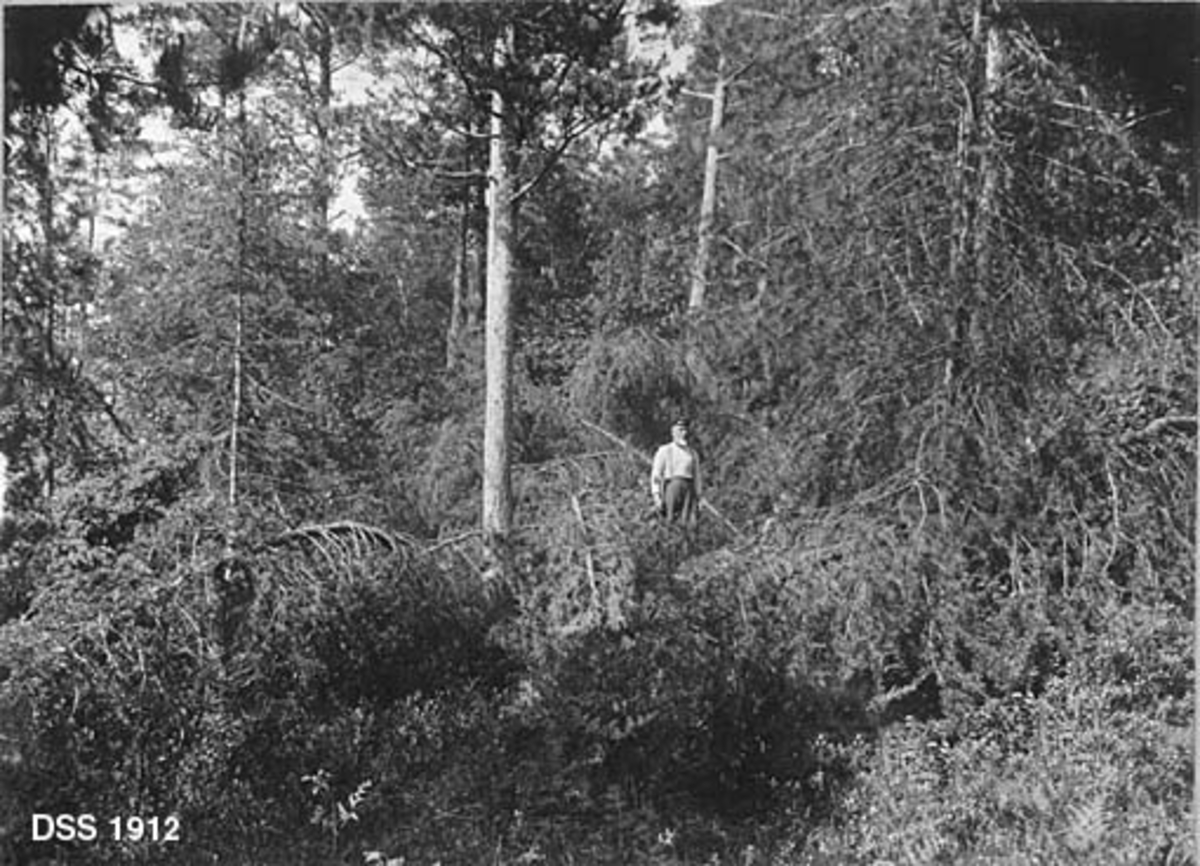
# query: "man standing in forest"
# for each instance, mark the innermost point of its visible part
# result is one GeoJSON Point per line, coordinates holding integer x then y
{"type": "Point", "coordinates": [675, 478]}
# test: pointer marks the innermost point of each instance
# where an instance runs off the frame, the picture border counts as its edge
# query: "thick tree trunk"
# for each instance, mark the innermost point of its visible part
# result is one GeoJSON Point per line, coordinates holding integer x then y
{"type": "Point", "coordinates": [497, 492]}
{"type": "Point", "coordinates": [708, 201]}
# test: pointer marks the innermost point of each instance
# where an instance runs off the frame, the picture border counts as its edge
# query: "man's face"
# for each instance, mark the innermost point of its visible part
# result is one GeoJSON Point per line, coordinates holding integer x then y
{"type": "Point", "coordinates": [680, 434]}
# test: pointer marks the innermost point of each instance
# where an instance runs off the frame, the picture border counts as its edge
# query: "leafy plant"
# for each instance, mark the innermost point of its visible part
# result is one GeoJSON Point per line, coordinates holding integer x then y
{"type": "Point", "coordinates": [331, 813]}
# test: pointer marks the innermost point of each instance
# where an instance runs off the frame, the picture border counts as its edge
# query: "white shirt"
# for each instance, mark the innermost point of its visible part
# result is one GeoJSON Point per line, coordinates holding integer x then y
{"type": "Point", "coordinates": [673, 461]}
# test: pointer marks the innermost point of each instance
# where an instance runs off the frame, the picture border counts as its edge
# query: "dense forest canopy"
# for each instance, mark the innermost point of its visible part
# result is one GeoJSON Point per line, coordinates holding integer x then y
{"type": "Point", "coordinates": [334, 343]}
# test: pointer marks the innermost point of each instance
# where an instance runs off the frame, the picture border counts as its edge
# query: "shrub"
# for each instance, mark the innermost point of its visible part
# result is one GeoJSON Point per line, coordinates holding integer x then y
{"type": "Point", "coordinates": [632, 383]}
{"type": "Point", "coordinates": [1079, 773]}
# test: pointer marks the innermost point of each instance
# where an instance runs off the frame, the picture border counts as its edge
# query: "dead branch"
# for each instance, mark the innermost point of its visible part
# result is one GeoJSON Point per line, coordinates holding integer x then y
{"type": "Point", "coordinates": [1178, 423]}
{"type": "Point", "coordinates": [632, 449]}
{"type": "Point", "coordinates": [341, 533]}
{"type": "Point", "coordinates": [453, 540]}
{"type": "Point", "coordinates": [712, 509]}
{"type": "Point", "coordinates": [587, 547]}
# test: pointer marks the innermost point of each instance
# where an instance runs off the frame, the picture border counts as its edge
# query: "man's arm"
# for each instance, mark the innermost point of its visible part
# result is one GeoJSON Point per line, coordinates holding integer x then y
{"type": "Point", "coordinates": [657, 470]}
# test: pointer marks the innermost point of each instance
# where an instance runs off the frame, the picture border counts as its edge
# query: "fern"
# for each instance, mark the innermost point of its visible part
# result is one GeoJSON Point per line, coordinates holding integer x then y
{"type": "Point", "coordinates": [1088, 824]}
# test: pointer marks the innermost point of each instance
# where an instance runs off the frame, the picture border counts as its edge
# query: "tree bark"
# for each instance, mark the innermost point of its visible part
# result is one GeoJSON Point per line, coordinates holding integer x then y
{"type": "Point", "coordinates": [993, 71]}
{"type": "Point", "coordinates": [975, 192]}
{"type": "Point", "coordinates": [708, 201]}
{"type": "Point", "coordinates": [497, 492]}
{"type": "Point", "coordinates": [240, 277]}
{"type": "Point", "coordinates": [46, 194]}
{"type": "Point", "coordinates": [325, 162]}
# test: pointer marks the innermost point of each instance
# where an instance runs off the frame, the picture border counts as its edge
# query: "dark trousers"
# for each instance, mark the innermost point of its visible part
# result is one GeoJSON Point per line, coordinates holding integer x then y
{"type": "Point", "coordinates": [680, 501]}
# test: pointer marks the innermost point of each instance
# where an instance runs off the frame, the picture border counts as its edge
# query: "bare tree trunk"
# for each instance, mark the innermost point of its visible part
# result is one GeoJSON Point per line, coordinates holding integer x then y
{"type": "Point", "coordinates": [497, 492]}
{"type": "Point", "coordinates": [235, 410]}
{"type": "Point", "coordinates": [961, 322]}
{"type": "Point", "coordinates": [708, 202]}
{"type": "Point", "coordinates": [244, 181]}
{"type": "Point", "coordinates": [993, 71]}
{"type": "Point", "coordinates": [46, 193]}
{"type": "Point", "coordinates": [960, 222]}
{"type": "Point", "coordinates": [325, 172]}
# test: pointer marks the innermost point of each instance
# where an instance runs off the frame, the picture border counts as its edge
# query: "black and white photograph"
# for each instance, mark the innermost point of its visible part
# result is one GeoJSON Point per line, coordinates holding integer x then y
{"type": "Point", "coordinates": [571, 432]}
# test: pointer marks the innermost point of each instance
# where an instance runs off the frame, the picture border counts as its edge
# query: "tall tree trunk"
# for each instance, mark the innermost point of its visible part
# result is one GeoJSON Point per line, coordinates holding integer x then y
{"type": "Point", "coordinates": [497, 492]}
{"type": "Point", "coordinates": [960, 220]}
{"type": "Point", "coordinates": [325, 171]}
{"type": "Point", "coordinates": [240, 277]}
{"type": "Point", "coordinates": [708, 201]}
{"type": "Point", "coordinates": [46, 194]}
{"type": "Point", "coordinates": [993, 72]}
{"type": "Point", "coordinates": [972, 193]}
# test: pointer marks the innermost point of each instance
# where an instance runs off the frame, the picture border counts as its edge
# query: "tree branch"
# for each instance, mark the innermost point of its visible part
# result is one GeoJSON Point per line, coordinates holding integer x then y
{"type": "Point", "coordinates": [587, 547]}
{"type": "Point", "coordinates": [1178, 423]}
{"type": "Point", "coordinates": [551, 160]}
{"type": "Point", "coordinates": [632, 449]}
{"type": "Point", "coordinates": [315, 533]}
{"type": "Point", "coordinates": [454, 539]}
